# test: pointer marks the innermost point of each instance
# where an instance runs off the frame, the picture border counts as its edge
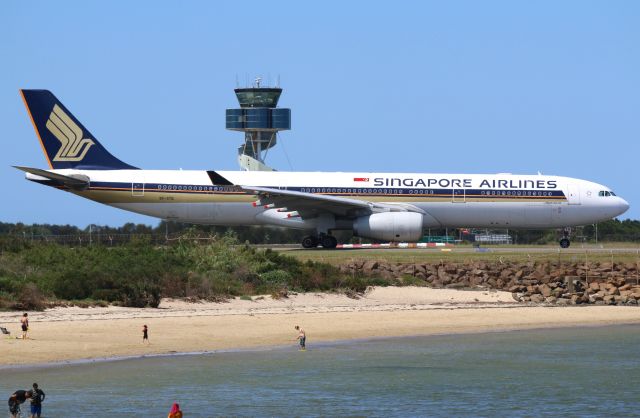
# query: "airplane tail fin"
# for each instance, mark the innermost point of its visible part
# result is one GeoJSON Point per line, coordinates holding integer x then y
{"type": "Point", "coordinates": [65, 142]}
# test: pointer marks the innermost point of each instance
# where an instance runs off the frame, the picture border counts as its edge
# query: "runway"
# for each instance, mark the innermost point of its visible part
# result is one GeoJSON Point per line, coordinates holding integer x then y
{"type": "Point", "coordinates": [627, 248]}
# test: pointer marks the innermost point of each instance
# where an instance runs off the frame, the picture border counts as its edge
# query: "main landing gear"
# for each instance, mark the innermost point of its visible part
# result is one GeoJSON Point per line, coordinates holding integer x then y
{"type": "Point", "coordinates": [564, 241]}
{"type": "Point", "coordinates": [309, 242]}
{"type": "Point", "coordinates": [326, 240]}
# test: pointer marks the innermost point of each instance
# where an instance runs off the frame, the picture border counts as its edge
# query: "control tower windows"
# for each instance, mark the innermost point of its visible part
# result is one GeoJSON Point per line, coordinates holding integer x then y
{"type": "Point", "coordinates": [258, 97]}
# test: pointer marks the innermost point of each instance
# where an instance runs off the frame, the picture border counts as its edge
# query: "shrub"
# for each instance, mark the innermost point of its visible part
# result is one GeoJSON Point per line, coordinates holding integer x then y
{"type": "Point", "coordinates": [31, 298]}
{"type": "Point", "coordinates": [408, 280]}
{"type": "Point", "coordinates": [276, 278]}
{"type": "Point", "coordinates": [139, 274]}
{"type": "Point", "coordinates": [141, 295]}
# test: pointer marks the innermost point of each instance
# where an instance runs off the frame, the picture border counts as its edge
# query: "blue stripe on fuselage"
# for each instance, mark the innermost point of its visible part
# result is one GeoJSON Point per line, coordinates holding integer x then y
{"type": "Point", "coordinates": [336, 191]}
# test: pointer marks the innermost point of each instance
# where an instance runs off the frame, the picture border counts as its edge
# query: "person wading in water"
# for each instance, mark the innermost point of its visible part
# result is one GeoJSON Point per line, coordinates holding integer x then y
{"type": "Point", "coordinates": [37, 396]}
{"type": "Point", "coordinates": [18, 397]}
{"type": "Point", "coordinates": [302, 338]}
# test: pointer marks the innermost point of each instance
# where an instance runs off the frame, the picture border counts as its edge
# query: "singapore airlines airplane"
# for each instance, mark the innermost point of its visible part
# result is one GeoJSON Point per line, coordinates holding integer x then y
{"type": "Point", "coordinates": [382, 206]}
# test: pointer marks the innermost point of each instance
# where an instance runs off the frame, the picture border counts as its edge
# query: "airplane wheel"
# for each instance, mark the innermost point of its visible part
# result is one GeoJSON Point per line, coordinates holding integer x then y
{"type": "Point", "coordinates": [309, 242]}
{"type": "Point", "coordinates": [564, 243]}
{"type": "Point", "coordinates": [329, 241]}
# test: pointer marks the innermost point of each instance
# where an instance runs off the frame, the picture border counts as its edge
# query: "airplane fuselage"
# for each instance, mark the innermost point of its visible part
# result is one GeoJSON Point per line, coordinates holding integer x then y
{"type": "Point", "coordinates": [447, 200]}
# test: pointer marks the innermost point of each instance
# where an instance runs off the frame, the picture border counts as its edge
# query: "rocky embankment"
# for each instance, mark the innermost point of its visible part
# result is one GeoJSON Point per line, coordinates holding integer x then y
{"type": "Point", "coordinates": [533, 282]}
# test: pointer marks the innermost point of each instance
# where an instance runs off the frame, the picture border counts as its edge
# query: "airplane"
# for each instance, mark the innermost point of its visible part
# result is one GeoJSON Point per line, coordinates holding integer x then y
{"type": "Point", "coordinates": [394, 207]}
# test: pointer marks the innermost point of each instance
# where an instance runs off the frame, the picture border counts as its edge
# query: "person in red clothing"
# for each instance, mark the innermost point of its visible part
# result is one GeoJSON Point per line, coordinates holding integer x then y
{"type": "Point", "coordinates": [175, 411]}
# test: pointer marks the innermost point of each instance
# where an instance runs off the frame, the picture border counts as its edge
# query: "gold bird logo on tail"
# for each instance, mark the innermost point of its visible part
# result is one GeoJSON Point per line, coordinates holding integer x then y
{"type": "Point", "coordinates": [73, 146]}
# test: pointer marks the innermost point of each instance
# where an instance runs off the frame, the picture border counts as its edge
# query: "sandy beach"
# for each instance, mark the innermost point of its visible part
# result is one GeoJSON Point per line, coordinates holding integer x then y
{"type": "Point", "coordinates": [70, 334]}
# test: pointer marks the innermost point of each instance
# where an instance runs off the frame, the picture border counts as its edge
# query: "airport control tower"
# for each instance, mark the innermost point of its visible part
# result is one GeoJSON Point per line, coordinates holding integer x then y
{"type": "Point", "coordinates": [260, 120]}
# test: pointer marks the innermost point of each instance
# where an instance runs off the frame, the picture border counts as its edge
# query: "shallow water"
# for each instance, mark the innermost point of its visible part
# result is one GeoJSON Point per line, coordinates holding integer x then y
{"type": "Point", "coordinates": [570, 372]}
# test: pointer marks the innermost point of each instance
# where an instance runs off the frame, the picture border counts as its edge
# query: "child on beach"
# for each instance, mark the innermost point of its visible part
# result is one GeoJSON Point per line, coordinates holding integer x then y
{"type": "Point", "coordinates": [37, 396]}
{"type": "Point", "coordinates": [145, 334]}
{"type": "Point", "coordinates": [302, 338]}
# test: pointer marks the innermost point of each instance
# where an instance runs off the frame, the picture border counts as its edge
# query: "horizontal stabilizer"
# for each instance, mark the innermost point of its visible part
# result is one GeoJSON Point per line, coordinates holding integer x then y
{"type": "Point", "coordinates": [76, 181]}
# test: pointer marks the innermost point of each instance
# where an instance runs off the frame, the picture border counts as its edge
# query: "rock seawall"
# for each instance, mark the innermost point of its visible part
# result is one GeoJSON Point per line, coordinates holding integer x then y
{"type": "Point", "coordinates": [534, 282]}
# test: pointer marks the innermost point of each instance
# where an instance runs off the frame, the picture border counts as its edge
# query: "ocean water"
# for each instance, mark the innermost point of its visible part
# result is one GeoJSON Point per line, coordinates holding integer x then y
{"type": "Point", "coordinates": [559, 372]}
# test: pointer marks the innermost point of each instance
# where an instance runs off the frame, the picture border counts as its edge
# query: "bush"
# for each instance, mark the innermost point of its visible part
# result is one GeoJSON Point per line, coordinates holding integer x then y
{"type": "Point", "coordinates": [31, 298]}
{"type": "Point", "coordinates": [8, 285]}
{"type": "Point", "coordinates": [412, 281]}
{"type": "Point", "coordinates": [276, 278]}
{"type": "Point", "coordinates": [139, 274]}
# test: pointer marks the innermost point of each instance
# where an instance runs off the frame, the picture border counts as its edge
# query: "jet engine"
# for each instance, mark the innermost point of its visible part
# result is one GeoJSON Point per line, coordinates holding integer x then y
{"type": "Point", "coordinates": [390, 226]}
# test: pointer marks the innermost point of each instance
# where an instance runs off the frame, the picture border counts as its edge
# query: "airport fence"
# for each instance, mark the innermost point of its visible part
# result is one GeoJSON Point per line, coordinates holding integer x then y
{"type": "Point", "coordinates": [109, 240]}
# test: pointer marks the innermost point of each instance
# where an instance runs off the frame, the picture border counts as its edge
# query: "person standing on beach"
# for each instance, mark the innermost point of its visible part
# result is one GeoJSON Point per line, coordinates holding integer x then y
{"type": "Point", "coordinates": [302, 338]}
{"type": "Point", "coordinates": [18, 397]}
{"type": "Point", "coordinates": [24, 324]}
{"type": "Point", "coordinates": [37, 396]}
{"type": "Point", "coordinates": [145, 334]}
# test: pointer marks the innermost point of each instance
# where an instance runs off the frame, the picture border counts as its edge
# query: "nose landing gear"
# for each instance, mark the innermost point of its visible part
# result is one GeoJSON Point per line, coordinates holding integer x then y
{"type": "Point", "coordinates": [564, 241]}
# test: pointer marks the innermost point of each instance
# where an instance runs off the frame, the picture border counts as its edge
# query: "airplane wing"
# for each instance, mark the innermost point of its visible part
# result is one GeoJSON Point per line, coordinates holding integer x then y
{"type": "Point", "coordinates": [309, 205]}
{"type": "Point", "coordinates": [75, 182]}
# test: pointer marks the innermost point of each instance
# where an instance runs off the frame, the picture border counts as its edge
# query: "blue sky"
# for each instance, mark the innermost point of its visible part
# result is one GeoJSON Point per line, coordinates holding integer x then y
{"type": "Point", "coordinates": [459, 86]}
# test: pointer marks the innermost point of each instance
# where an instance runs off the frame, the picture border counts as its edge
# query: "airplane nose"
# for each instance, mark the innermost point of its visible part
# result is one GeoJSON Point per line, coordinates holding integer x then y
{"type": "Point", "coordinates": [623, 205]}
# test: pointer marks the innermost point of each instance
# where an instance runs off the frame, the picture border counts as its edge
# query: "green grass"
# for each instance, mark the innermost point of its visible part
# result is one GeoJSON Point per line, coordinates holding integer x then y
{"type": "Point", "coordinates": [462, 254]}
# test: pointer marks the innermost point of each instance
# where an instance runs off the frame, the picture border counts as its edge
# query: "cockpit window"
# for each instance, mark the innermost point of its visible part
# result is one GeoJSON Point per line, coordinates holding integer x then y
{"type": "Point", "coordinates": [606, 193]}
{"type": "Point", "coordinates": [612, 193]}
